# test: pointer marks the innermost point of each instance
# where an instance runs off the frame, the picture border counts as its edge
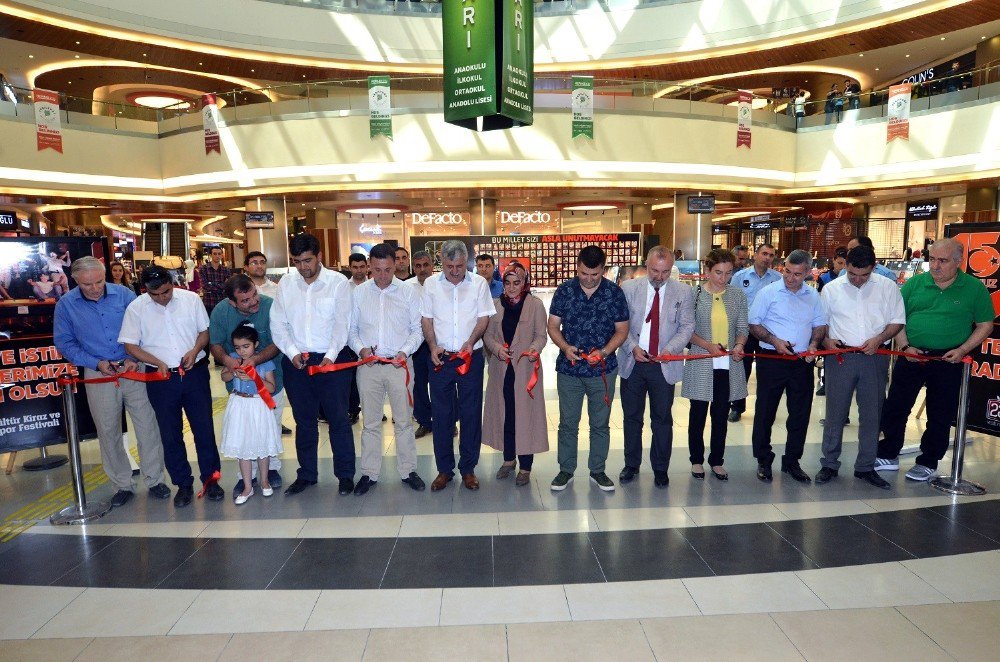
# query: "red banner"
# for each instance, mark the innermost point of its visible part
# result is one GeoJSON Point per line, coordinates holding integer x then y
{"type": "Point", "coordinates": [744, 118]}
{"type": "Point", "coordinates": [48, 127]}
{"type": "Point", "coordinates": [210, 120]}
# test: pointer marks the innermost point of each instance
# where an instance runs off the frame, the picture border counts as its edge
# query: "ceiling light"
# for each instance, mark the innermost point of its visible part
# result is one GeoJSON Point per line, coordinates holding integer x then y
{"type": "Point", "coordinates": [251, 71]}
{"type": "Point", "coordinates": [907, 55]}
{"type": "Point", "coordinates": [31, 57]}
{"type": "Point", "coordinates": [596, 205]}
{"type": "Point", "coordinates": [77, 43]}
{"type": "Point", "coordinates": [153, 100]}
{"type": "Point", "coordinates": [77, 57]}
{"type": "Point", "coordinates": [876, 68]}
{"type": "Point", "coordinates": [861, 54]}
{"type": "Point", "coordinates": [942, 38]}
{"type": "Point", "coordinates": [371, 210]}
{"type": "Point", "coordinates": [144, 55]}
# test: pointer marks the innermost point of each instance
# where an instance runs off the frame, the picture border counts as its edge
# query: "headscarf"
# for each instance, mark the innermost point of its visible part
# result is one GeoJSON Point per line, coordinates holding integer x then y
{"type": "Point", "coordinates": [515, 268]}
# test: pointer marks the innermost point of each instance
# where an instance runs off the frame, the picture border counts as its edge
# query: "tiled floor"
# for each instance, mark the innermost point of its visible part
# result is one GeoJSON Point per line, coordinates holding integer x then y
{"type": "Point", "coordinates": [701, 570]}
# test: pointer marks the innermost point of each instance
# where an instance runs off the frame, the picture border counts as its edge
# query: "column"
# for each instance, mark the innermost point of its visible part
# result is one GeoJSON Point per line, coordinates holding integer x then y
{"type": "Point", "coordinates": [483, 212]}
{"type": "Point", "coordinates": [274, 242]}
{"type": "Point", "coordinates": [692, 232]}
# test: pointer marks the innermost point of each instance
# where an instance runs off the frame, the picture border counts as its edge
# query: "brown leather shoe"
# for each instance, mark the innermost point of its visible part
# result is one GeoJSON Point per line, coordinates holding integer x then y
{"type": "Point", "coordinates": [440, 482]}
{"type": "Point", "coordinates": [470, 481]}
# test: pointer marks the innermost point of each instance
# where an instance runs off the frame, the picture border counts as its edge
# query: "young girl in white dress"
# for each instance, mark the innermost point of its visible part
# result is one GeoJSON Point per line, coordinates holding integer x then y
{"type": "Point", "coordinates": [249, 430]}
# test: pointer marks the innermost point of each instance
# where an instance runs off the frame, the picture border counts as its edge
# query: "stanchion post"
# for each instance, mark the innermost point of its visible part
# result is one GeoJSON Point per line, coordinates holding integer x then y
{"type": "Point", "coordinates": [81, 513]}
{"type": "Point", "coordinates": [954, 484]}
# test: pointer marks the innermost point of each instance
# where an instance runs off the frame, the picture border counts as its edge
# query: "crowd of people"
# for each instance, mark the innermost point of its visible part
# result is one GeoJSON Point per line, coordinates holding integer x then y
{"type": "Point", "coordinates": [427, 342]}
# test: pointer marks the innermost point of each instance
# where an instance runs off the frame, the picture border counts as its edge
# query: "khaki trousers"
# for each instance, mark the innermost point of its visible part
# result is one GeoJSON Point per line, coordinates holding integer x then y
{"type": "Point", "coordinates": [375, 382]}
{"type": "Point", "coordinates": [106, 402]}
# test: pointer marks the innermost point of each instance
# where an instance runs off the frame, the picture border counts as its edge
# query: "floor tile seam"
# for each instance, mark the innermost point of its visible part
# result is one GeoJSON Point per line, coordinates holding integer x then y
{"type": "Point", "coordinates": [312, 611]}
{"type": "Point", "coordinates": [61, 610]}
{"type": "Point", "coordinates": [368, 638]}
{"type": "Point", "coordinates": [965, 526]}
{"type": "Point", "coordinates": [770, 615]}
{"type": "Point", "coordinates": [197, 594]}
{"type": "Point", "coordinates": [924, 581]}
{"type": "Point", "coordinates": [82, 561]}
{"type": "Point", "coordinates": [889, 540]}
{"type": "Point", "coordinates": [285, 562]}
{"type": "Point", "coordinates": [700, 558]}
{"type": "Point", "coordinates": [646, 637]}
{"type": "Point", "coordinates": [593, 551]}
{"type": "Point", "coordinates": [185, 560]}
{"type": "Point", "coordinates": [388, 561]}
{"type": "Point", "coordinates": [83, 650]}
{"type": "Point", "coordinates": [795, 547]}
{"type": "Point", "coordinates": [569, 605]}
{"type": "Point", "coordinates": [919, 629]}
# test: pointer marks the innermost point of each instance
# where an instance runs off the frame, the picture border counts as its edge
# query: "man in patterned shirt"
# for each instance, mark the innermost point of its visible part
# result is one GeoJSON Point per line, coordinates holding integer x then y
{"type": "Point", "coordinates": [588, 321]}
{"type": "Point", "coordinates": [213, 280]}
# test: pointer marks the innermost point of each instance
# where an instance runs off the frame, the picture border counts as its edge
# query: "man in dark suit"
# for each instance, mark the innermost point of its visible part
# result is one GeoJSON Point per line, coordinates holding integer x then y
{"type": "Point", "coordinates": [661, 321]}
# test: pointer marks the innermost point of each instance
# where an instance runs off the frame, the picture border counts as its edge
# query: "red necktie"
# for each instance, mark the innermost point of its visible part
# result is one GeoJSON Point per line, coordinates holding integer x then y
{"type": "Point", "coordinates": [654, 325]}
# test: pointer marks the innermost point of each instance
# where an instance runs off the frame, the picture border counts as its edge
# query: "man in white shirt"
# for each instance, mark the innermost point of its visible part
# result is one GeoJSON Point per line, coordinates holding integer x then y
{"type": "Point", "coordinates": [385, 323]}
{"type": "Point", "coordinates": [357, 263]}
{"type": "Point", "coordinates": [423, 268]}
{"type": "Point", "coordinates": [167, 329]}
{"type": "Point", "coordinates": [256, 267]}
{"type": "Point", "coordinates": [456, 309]}
{"type": "Point", "coordinates": [864, 311]}
{"type": "Point", "coordinates": [310, 319]}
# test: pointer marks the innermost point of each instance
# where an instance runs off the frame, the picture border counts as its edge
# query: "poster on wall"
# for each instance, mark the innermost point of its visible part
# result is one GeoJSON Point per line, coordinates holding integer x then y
{"type": "Point", "coordinates": [34, 275]}
{"type": "Point", "coordinates": [48, 127]}
{"type": "Point", "coordinates": [899, 112]}
{"type": "Point", "coordinates": [982, 260]}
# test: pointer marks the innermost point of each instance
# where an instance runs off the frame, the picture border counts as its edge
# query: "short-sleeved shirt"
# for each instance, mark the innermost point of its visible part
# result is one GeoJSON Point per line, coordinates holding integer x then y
{"type": "Point", "coordinates": [246, 386]}
{"type": "Point", "coordinates": [588, 323]}
{"type": "Point", "coordinates": [225, 318]}
{"type": "Point", "coordinates": [167, 332]}
{"type": "Point", "coordinates": [455, 309]}
{"type": "Point", "coordinates": [788, 315]}
{"type": "Point", "coordinates": [943, 319]}
{"type": "Point", "coordinates": [752, 283]}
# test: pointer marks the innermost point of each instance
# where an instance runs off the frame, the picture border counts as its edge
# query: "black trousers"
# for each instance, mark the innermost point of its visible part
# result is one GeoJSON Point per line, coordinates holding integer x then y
{"type": "Point", "coordinates": [943, 381]}
{"type": "Point", "coordinates": [794, 380]}
{"type": "Point", "coordinates": [719, 407]}
{"type": "Point", "coordinates": [457, 397]}
{"type": "Point", "coordinates": [752, 347]}
{"type": "Point", "coordinates": [510, 424]}
{"type": "Point", "coordinates": [354, 398]}
{"type": "Point", "coordinates": [647, 378]}
{"type": "Point", "coordinates": [192, 395]}
{"type": "Point", "coordinates": [307, 394]}
{"type": "Point", "coordinates": [421, 388]}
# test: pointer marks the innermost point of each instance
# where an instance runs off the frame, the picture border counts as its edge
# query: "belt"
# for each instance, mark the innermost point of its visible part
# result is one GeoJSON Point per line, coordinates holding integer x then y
{"type": "Point", "coordinates": [178, 369]}
{"type": "Point", "coordinates": [244, 395]}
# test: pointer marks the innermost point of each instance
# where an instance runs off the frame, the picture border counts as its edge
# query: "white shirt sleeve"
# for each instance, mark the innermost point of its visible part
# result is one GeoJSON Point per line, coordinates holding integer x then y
{"type": "Point", "coordinates": [427, 301]}
{"type": "Point", "coordinates": [484, 300]}
{"type": "Point", "coordinates": [280, 329]}
{"type": "Point", "coordinates": [131, 331]}
{"type": "Point", "coordinates": [342, 323]}
{"type": "Point", "coordinates": [896, 307]}
{"type": "Point", "coordinates": [354, 335]}
{"type": "Point", "coordinates": [416, 335]}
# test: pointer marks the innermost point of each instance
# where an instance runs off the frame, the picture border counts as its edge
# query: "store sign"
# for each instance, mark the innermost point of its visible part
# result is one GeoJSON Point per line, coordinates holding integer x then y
{"type": "Point", "coordinates": [481, 52]}
{"type": "Point", "coordinates": [922, 210]}
{"type": "Point", "coordinates": [518, 218]}
{"type": "Point", "coordinates": [760, 218]}
{"type": "Point", "coordinates": [435, 218]}
{"type": "Point", "coordinates": [374, 230]}
{"type": "Point", "coordinates": [701, 204]}
{"type": "Point", "coordinates": [8, 221]}
{"type": "Point", "coordinates": [760, 225]}
{"type": "Point", "coordinates": [259, 220]}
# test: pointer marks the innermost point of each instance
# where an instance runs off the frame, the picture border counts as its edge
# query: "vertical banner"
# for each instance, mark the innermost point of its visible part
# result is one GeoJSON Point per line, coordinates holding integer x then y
{"type": "Point", "coordinates": [982, 260]}
{"type": "Point", "coordinates": [210, 122]}
{"type": "Point", "coordinates": [899, 112]}
{"type": "Point", "coordinates": [488, 42]}
{"type": "Point", "coordinates": [744, 118]}
{"type": "Point", "coordinates": [379, 107]}
{"type": "Point", "coordinates": [48, 127]}
{"type": "Point", "coordinates": [583, 106]}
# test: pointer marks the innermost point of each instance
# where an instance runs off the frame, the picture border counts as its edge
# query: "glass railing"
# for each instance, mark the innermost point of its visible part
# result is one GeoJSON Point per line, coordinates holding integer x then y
{"type": "Point", "coordinates": [433, 7]}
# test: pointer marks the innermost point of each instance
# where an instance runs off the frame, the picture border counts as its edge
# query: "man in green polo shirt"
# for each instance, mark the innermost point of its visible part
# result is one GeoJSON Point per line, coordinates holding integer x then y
{"type": "Point", "coordinates": [244, 304]}
{"type": "Point", "coordinates": [948, 314]}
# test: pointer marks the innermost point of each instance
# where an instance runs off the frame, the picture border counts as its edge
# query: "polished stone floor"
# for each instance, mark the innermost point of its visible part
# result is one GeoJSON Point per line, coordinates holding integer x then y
{"type": "Point", "coordinates": [702, 569]}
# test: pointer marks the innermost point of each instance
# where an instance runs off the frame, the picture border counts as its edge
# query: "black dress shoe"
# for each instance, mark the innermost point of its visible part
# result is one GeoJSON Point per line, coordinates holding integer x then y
{"type": "Point", "coordinates": [160, 491]}
{"type": "Point", "coordinates": [764, 472]}
{"type": "Point", "coordinates": [274, 478]}
{"type": "Point", "coordinates": [384, 419]}
{"type": "Point", "coordinates": [285, 430]}
{"type": "Point", "coordinates": [214, 492]}
{"type": "Point", "coordinates": [415, 482]}
{"type": "Point", "coordinates": [422, 431]}
{"type": "Point", "coordinates": [364, 485]}
{"type": "Point", "coordinates": [183, 496]}
{"type": "Point", "coordinates": [120, 498]}
{"type": "Point", "coordinates": [628, 474]}
{"type": "Point", "coordinates": [346, 486]}
{"type": "Point", "coordinates": [825, 475]}
{"type": "Point", "coordinates": [821, 391]}
{"type": "Point", "coordinates": [795, 471]}
{"type": "Point", "coordinates": [734, 416]}
{"type": "Point", "coordinates": [352, 418]}
{"type": "Point", "coordinates": [872, 478]}
{"type": "Point", "coordinates": [298, 485]}
{"type": "Point", "coordinates": [135, 472]}
{"type": "Point", "coordinates": [660, 478]}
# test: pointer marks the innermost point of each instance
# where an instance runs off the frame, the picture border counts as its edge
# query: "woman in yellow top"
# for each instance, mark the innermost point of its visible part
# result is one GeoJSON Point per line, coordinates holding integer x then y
{"type": "Point", "coordinates": [711, 384]}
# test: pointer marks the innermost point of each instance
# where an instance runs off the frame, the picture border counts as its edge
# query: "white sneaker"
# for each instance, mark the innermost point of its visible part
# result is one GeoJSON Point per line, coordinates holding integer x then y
{"type": "Point", "coordinates": [240, 500]}
{"type": "Point", "coordinates": [882, 464]}
{"type": "Point", "coordinates": [920, 472]}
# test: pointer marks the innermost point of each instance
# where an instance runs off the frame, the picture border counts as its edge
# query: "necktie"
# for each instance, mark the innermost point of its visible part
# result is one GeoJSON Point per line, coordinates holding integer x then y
{"type": "Point", "coordinates": [654, 325]}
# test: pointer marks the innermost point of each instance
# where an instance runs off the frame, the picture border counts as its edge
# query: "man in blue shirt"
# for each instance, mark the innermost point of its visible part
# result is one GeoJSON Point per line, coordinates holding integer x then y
{"type": "Point", "coordinates": [87, 322]}
{"type": "Point", "coordinates": [787, 318]}
{"type": "Point", "coordinates": [486, 267]}
{"type": "Point", "coordinates": [588, 316]}
{"type": "Point", "coordinates": [752, 279]}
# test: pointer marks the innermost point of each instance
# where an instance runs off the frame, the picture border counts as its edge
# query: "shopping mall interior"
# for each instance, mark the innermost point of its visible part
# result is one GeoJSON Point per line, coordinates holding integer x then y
{"type": "Point", "coordinates": [186, 125]}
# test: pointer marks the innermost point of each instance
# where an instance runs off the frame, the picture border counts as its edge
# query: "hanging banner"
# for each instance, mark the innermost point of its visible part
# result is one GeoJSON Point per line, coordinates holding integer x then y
{"type": "Point", "coordinates": [48, 127]}
{"type": "Point", "coordinates": [485, 43]}
{"type": "Point", "coordinates": [379, 107]}
{"type": "Point", "coordinates": [583, 106]}
{"type": "Point", "coordinates": [744, 118]}
{"type": "Point", "coordinates": [899, 112]}
{"type": "Point", "coordinates": [982, 260]}
{"type": "Point", "coordinates": [210, 121]}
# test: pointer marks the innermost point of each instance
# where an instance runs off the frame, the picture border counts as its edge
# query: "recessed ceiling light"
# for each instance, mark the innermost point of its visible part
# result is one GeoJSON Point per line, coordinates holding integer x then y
{"type": "Point", "coordinates": [77, 43]}
{"type": "Point", "coordinates": [201, 64]}
{"type": "Point", "coordinates": [31, 57]}
{"type": "Point", "coordinates": [153, 100]}
{"type": "Point", "coordinates": [251, 71]}
{"type": "Point", "coordinates": [907, 55]}
{"type": "Point", "coordinates": [372, 210]}
{"type": "Point", "coordinates": [942, 38]}
{"type": "Point", "coordinates": [76, 57]}
{"type": "Point", "coordinates": [876, 68]}
{"type": "Point", "coordinates": [144, 55]}
{"type": "Point", "coordinates": [861, 54]}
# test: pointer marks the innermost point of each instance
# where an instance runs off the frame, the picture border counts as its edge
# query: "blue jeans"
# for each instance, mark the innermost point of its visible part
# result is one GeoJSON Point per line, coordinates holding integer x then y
{"type": "Point", "coordinates": [467, 408]}
{"type": "Point", "coordinates": [306, 395]}
{"type": "Point", "coordinates": [571, 392]}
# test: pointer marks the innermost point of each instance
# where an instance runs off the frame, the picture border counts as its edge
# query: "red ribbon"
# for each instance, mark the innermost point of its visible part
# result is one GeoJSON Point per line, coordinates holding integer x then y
{"type": "Point", "coordinates": [262, 391]}
{"type": "Point", "coordinates": [594, 355]}
{"type": "Point", "coordinates": [214, 478]}
{"type": "Point", "coordinates": [533, 380]}
{"type": "Point", "coordinates": [372, 358]}
{"type": "Point", "coordinates": [839, 352]}
{"type": "Point", "coordinates": [464, 357]}
{"type": "Point", "coordinates": [134, 376]}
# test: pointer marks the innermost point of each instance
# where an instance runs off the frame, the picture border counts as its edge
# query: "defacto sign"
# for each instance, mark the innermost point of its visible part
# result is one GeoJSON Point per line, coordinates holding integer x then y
{"type": "Point", "coordinates": [488, 63]}
{"type": "Point", "coordinates": [434, 218]}
{"type": "Point", "coordinates": [524, 217]}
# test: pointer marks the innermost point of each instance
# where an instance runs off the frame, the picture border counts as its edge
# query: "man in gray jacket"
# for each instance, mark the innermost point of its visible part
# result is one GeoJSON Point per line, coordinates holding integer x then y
{"type": "Point", "coordinates": [661, 321]}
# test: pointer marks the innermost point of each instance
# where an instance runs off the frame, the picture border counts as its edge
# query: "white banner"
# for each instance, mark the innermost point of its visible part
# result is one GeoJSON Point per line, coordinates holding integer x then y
{"type": "Point", "coordinates": [210, 122]}
{"type": "Point", "coordinates": [744, 118]}
{"type": "Point", "coordinates": [899, 112]}
{"type": "Point", "coordinates": [48, 126]}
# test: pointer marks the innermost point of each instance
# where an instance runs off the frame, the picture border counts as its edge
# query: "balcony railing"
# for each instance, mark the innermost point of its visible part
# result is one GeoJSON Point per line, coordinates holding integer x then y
{"type": "Point", "coordinates": [433, 7]}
